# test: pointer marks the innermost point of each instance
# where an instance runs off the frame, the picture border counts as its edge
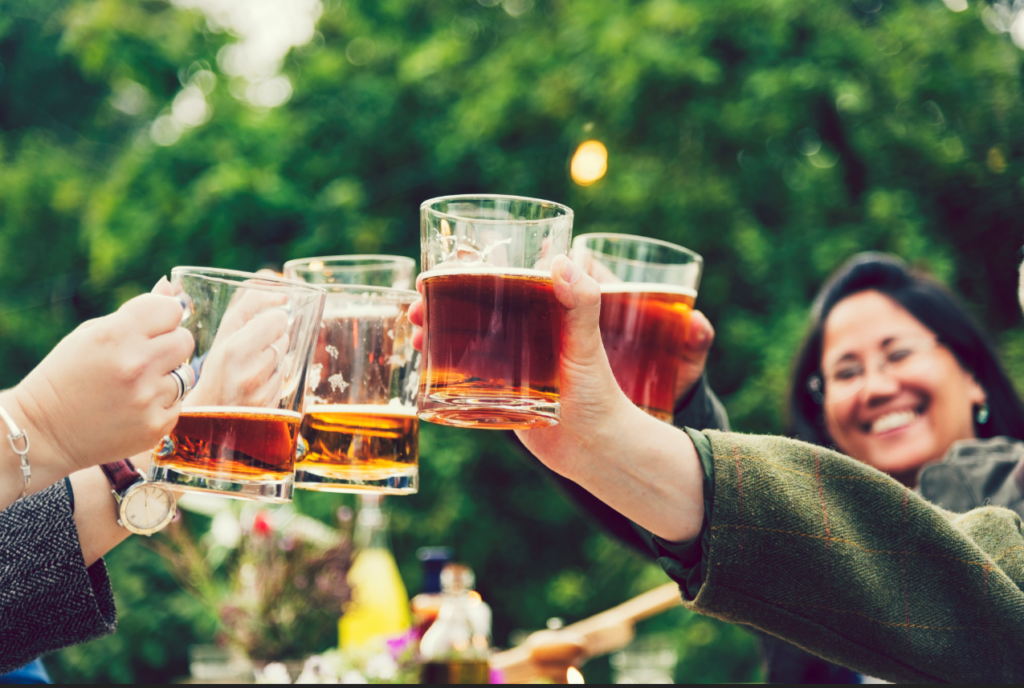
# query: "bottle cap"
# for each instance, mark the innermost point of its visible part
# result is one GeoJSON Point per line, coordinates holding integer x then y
{"type": "Point", "coordinates": [457, 578]}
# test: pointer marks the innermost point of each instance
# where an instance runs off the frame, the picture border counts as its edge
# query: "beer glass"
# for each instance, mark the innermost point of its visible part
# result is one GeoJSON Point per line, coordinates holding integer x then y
{"type": "Point", "coordinates": [494, 327]}
{"type": "Point", "coordinates": [360, 432]}
{"type": "Point", "coordinates": [376, 271]}
{"type": "Point", "coordinates": [239, 426]}
{"type": "Point", "coordinates": [648, 288]}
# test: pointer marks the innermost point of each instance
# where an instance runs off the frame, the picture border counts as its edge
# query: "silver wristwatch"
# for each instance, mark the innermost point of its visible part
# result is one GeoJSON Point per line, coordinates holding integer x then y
{"type": "Point", "coordinates": [143, 507]}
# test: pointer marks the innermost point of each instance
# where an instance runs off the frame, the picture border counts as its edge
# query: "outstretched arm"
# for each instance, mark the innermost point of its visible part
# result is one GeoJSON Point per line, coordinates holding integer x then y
{"type": "Point", "coordinates": [641, 467]}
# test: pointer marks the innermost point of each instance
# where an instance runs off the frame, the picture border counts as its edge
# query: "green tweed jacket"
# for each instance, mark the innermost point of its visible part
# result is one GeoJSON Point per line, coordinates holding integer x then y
{"type": "Point", "coordinates": [841, 560]}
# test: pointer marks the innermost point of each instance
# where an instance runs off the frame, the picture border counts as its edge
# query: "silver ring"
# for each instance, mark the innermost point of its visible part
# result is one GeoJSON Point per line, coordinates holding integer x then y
{"type": "Point", "coordinates": [277, 360]}
{"type": "Point", "coordinates": [183, 377]}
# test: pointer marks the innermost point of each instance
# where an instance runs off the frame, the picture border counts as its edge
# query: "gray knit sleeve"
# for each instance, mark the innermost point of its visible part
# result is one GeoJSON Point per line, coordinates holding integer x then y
{"type": "Point", "coordinates": [48, 598]}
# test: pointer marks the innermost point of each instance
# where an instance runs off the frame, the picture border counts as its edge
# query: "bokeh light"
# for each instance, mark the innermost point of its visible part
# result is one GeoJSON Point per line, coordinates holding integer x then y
{"type": "Point", "coordinates": [589, 163]}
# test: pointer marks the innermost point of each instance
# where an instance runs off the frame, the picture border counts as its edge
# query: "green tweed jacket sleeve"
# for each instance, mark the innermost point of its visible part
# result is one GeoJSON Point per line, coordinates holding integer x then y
{"type": "Point", "coordinates": [843, 561]}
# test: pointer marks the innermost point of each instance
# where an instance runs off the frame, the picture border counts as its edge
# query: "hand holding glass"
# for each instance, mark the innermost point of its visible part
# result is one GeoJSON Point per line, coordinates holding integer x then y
{"type": "Point", "coordinates": [238, 431]}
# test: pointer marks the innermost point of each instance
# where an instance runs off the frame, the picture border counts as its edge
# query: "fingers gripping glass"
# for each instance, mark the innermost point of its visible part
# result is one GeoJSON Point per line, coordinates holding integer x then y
{"type": "Point", "coordinates": [238, 430]}
{"type": "Point", "coordinates": [848, 376]}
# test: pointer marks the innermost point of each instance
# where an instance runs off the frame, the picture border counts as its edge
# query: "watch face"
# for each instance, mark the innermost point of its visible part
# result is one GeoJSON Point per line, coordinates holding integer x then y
{"type": "Point", "coordinates": [147, 508]}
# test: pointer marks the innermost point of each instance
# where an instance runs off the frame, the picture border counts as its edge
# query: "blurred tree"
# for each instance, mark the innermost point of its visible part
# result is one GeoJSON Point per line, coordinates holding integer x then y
{"type": "Point", "coordinates": [774, 137]}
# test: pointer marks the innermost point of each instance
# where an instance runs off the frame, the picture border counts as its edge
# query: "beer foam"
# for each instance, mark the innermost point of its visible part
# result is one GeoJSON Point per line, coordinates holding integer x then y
{"type": "Point", "coordinates": [645, 288]}
{"type": "Point", "coordinates": [392, 408]}
{"type": "Point", "coordinates": [241, 410]}
{"type": "Point", "coordinates": [486, 270]}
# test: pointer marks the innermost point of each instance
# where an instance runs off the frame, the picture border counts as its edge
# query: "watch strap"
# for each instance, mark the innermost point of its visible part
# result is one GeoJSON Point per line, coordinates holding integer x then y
{"type": "Point", "coordinates": [121, 474]}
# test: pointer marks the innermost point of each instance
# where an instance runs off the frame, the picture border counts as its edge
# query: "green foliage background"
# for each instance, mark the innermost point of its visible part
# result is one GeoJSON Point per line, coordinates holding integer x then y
{"type": "Point", "coordinates": [775, 137]}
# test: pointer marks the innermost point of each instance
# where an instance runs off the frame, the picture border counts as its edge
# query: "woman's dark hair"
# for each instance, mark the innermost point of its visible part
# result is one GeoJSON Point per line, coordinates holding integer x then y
{"type": "Point", "coordinates": [935, 308]}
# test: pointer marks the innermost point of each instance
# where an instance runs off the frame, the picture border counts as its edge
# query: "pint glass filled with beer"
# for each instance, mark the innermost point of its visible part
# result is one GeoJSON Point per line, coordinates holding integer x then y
{"type": "Point", "coordinates": [494, 326]}
{"type": "Point", "coordinates": [239, 426]}
{"type": "Point", "coordinates": [648, 288]}
{"type": "Point", "coordinates": [360, 432]}
{"type": "Point", "coordinates": [396, 272]}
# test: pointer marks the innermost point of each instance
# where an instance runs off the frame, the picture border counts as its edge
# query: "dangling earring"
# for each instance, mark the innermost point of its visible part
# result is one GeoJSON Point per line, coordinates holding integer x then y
{"type": "Point", "coordinates": [982, 416]}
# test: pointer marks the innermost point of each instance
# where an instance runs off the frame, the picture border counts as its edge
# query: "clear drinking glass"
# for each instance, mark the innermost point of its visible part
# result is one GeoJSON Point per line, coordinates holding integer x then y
{"type": "Point", "coordinates": [494, 327]}
{"type": "Point", "coordinates": [648, 288]}
{"type": "Point", "coordinates": [239, 426]}
{"type": "Point", "coordinates": [396, 272]}
{"type": "Point", "coordinates": [360, 432]}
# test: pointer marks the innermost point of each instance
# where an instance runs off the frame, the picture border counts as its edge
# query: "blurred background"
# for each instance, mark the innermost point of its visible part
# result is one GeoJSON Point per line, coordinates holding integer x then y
{"type": "Point", "coordinates": [774, 137]}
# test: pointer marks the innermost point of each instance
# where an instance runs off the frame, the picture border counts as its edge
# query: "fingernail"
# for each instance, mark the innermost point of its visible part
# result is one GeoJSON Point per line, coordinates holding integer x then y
{"type": "Point", "coordinates": [570, 273]}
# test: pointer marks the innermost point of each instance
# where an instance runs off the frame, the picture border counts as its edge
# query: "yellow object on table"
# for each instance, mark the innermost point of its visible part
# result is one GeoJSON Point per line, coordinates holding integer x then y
{"type": "Point", "coordinates": [380, 604]}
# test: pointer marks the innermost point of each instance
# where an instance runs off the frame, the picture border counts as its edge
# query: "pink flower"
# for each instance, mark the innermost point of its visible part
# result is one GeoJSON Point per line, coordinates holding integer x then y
{"type": "Point", "coordinates": [261, 525]}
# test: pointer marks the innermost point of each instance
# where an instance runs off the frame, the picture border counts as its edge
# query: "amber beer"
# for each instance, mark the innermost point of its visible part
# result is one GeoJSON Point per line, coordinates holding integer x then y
{"type": "Point", "coordinates": [355, 447]}
{"type": "Point", "coordinates": [644, 328]}
{"type": "Point", "coordinates": [235, 444]}
{"type": "Point", "coordinates": [491, 355]}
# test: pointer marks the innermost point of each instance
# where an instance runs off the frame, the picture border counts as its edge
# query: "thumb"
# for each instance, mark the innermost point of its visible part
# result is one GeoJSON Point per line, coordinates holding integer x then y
{"type": "Point", "coordinates": [580, 296]}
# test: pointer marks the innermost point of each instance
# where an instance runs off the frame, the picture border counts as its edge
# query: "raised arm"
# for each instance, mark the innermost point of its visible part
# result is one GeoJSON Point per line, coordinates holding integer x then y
{"type": "Point", "coordinates": [802, 543]}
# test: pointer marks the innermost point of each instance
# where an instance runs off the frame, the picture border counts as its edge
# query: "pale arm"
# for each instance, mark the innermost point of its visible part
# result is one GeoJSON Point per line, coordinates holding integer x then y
{"type": "Point", "coordinates": [47, 463]}
{"type": "Point", "coordinates": [96, 511]}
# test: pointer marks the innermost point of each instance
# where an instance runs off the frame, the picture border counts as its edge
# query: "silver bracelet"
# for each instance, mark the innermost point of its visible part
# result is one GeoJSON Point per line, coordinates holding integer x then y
{"type": "Point", "coordinates": [16, 436]}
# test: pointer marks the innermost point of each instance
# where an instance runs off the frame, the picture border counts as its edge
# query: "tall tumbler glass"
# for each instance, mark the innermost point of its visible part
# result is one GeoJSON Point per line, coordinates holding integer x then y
{"type": "Point", "coordinates": [494, 327]}
{"type": "Point", "coordinates": [648, 288]}
{"type": "Point", "coordinates": [396, 272]}
{"type": "Point", "coordinates": [360, 432]}
{"type": "Point", "coordinates": [238, 431]}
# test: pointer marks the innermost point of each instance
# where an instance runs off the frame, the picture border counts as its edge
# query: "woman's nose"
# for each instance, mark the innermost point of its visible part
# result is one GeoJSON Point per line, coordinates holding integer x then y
{"type": "Point", "coordinates": [879, 384]}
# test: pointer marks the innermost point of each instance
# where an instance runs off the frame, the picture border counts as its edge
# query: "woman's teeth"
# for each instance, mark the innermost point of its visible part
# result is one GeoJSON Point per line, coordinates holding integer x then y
{"type": "Point", "coordinates": [891, 421]}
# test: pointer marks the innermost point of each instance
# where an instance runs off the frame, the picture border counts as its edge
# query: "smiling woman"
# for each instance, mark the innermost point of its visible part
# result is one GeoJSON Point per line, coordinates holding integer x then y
{"type": "Point", "coordinates": [894, 395]}
{"type": "Point", "coordinates": [894, 371]}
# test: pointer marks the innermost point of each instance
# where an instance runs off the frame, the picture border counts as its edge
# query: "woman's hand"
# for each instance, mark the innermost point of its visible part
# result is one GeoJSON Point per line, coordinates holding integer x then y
{"type": "Point", "coordinates": [646, 469]}
{"type": "Point", "coordinates": [244, 365]}
{"type": "Point", "coordinates": [104, 392]}
{"type": "Point", "coordinates": [694, 356]}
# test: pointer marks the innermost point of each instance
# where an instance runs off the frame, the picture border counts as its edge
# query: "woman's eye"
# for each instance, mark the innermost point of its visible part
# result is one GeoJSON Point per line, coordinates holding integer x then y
{"type": "Point", "coordinates": [900, 355]}
{"type": "Point", "coordinates": [846, 373]}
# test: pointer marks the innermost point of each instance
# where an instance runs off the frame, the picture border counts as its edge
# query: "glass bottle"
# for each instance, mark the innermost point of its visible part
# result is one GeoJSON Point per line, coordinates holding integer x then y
{"type": "Point", "coordinates": [455, 649]}
{"type": "Point", "coordinates": [427, 604]}
{"type": "Point", "coordinates": [380, 604]}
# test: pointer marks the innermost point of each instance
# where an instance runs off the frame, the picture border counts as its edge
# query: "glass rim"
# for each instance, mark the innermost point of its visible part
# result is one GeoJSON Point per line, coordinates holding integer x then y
{"type": "Point", "coordinates": [697, 258]}
{"type": "Point", "coordinates": [358, 289]}
{"type": "Point", "coordinates": [427, 206]}
{"type": "Point", "coordinates": [383, 261]}
{"type": "Point", "coordinates": [226, 276]}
